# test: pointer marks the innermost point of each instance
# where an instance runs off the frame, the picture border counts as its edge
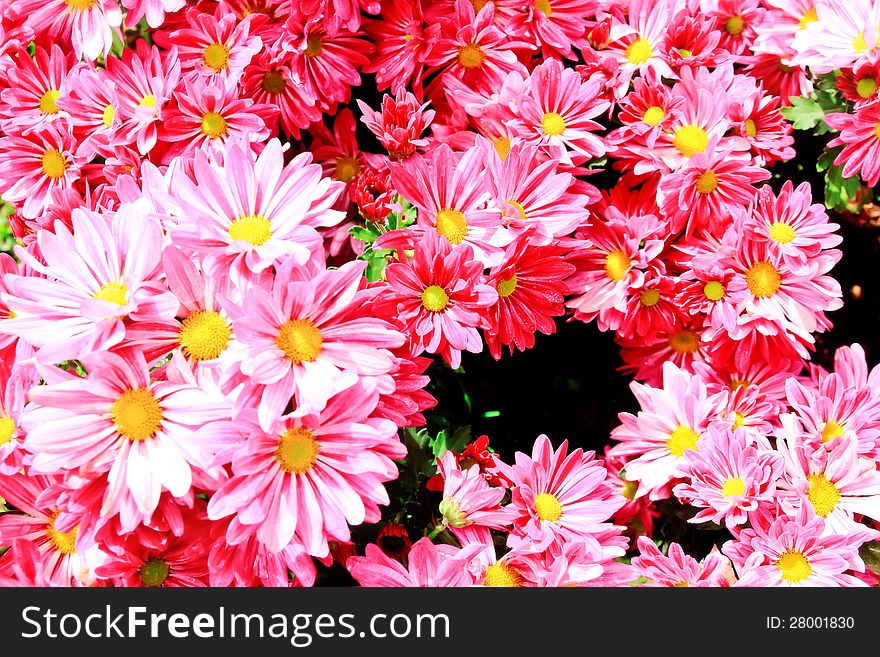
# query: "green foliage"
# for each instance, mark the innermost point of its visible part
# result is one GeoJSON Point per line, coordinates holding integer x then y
{"type": "Point", "coordinates": [7, 241]}
{"type": "Point", "coordinates": [870, 554]}
{"type": "Point", "coordinates": [369, 232]}
{"type": "Point", "coordinates": [808, 113]}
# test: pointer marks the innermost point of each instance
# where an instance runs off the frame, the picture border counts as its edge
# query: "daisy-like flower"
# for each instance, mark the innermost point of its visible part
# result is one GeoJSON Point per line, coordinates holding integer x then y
{"type": "Point", "coordinates": [843, 32]}
{"type": "Point", "coordinates": [214, 46]}
{"type": "Point", "coordinates": [438, 298]}
{"type": "Point", "coordinates": [89, 25]}
{"type": "Point", "coordinates": [24, 567]}
{"type": "Point", "coordinates": [308, 477]}
{"type": "Point", "coordinates": [121, 422]}
{"type": "Point", "coordinates": [836, 484]}
{"type": "Point", "coordinates": [59, 559]}
{"type": "Point", "coordinates": [209, 116]}
{"type": "Point", "coordinates": [778, 77]}
{"type": "Point", "coordinates": [250, 564]}
{"type": "Point", "coordinates": [338, 152]}
{"type": "Point", "coordinates": [272, 213]}
{"type": "Point", "coordinates": [650, 309]}
{"type": "Point", "coordinates": [737, 20]}
{"type": "Point", "coordinates": [90, 102]}
{"type": "Point", "coordinates": [672, 420]}
{"type": "Point", "coordinates": [14, 386]}
{"type": "Point", "coordinates": [638, 46]}
{"type": "Point", "coordinates": [553, 25]}
{"type": "Point", "coordinates": [729, 477]}
{"type": "Point", "coordinates": [860, 138]}
{"type": "Point", "coordinates": [152, 10]}
{"type": "Point", "coordinates": [400, 124]}
{"type": "Point", "coordinates": [678, 569]}
{"type": "Point", "coordinates": [92, 279]}
{"type": "Point", "coordinates": [685, 344]}
{"type": "Point", "coordinates": [797, 551]}
{"type": "Point", "coordinates": [35, 164]}
{"type": "Point", "coordinates": [427, 565]}
{"type": "Point", "coordinates": [531, 290]}
{"type": "Point", "coordinates": [34, 89]}
{"type": "Point", "coordinates": [557, 113]}
{"type": "Point", "coordinates": [559, 497]}
{"type": "Point", "coordinates": [307, 338]}
{"type": "Point", "coordinates": [468, 500]}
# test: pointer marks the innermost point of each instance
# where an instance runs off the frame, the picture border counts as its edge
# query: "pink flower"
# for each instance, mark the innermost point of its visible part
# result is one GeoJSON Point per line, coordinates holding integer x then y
{"type": "Point", "coordinates": [153, 10]}
{"type": "Point", "coordinates": [428, 565]}
{"type": "Point", "coordinates": [34, 89]}
{"type": "Point", "coordinates": [468, 500]}
{"type": "Point", "coordinates": [250, 564]}
{"type": "Point", "coordinates": [400, 124]}
{"type": "Point", "coordinates": [860, 138]}
{"type": "Point", "coordinates": [678, 569]}
{"type": "Point", "coordinates": [88, 26]}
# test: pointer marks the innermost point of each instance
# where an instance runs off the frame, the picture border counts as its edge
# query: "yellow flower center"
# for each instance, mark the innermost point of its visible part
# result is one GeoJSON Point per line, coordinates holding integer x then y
{"type": "Point", "coordinates": [795, 567]}
{"type": "Point", "coordinates": [499, 574]}
{"type": "Point", "coordinates": [204, 334]}
{"type": "Point", "coordinates": [548, 507]}
{"type": "Point", "coordinates": [137, 414]}
{"type": "Point", "coordinates": [690, 140]}
{"type": "Point", "coordinates": [216, 56]}
{"type": "Point", "coordinates": [553, 124]}
{"type": "Point", "coordinates": [434, 299]}
{"type": "Point", "coordinates": [452, 225]}
{"type": "Point", "coordinates": [859, 44]}
{"type": "Point", "coordinates": [707, 182]}
{"type": "Point", "coordinates": [684, 52]}
{"type": "Point", "coordinates": [154, 572]}
{"type": "Point", "coordinates": [735, 25]}
{"type": "Point", "coordinates": [682, 438]}
{"type": "Point", "coordinates": [684, 342]}
{"type": "Point", "coordinates": [115, 292]}
{"type": "Point", "coordinates": [80, 5]}
{"type": "Point", "coordinates": [47, 102]}
{"type": "Point", "coordinates": [832, 430]}
{"type": "Point", "coordinates": [506, 286]}
{"type": "Point", "coordinates": [253, 229]}
{"type": "Point", "coordinates": [519, 208]}
{"type": "Point", "coordinates": [297, 450]}
{"type": "Point", "coordinates": [213, 125]}
{"type": "Point", "coordinates": [762, 279]}
{"type": "Point", "coordinates": [714, 290]}
{"type": "Point", "coordinates": [653, 115]}
{"type": "Point", "coordinates": [639, 51]}
{"type": "Point", "coordinates": [544, 7]}
{"type": "Point", "coordinates": [866, 87]}
{"type": "Point", "coordinates": [630, 488]}
{"type": "Point", "coordinates": [877, 131]}
{"type": "Point", "coordinates": [148, 101]}
{"type": "Point", "coordinates": [299, 340]}
{"type": "Point", "coordinates": [823, 494]}
{"type": "Point", "coordinates": [649, 298]}
{"type": "Point", "coordinates": [108, 115]}
{"type": "Point", "coordinates": [810, 16]}
{"type": "Point", "coordinates": [471, 56]}
{"type": "Point", "coordinates": [7, 429]}
{"type": "Point", "coordinates": [502, 146]}
{"type": "Point", "coordinates": [63, 542]}
{"type": "Point", "coordinates": [733, 487]}
{"type": "Point", "coordinates": [314, 46]}
{"type": "Point", "coordinates": [274, 82]}
{"type": "Point", "coordinates": [751, 128]}
{"type": "Point", "coordinates": [347, 167]}
{"type": "Point", "coordinates": [782, 233]}
{"type": "Point", "coordinates": [738, 419]}
{"type": "Point", "coordinates": [616, 265]}
{"type": "Point", "coordinates": [54, 164]}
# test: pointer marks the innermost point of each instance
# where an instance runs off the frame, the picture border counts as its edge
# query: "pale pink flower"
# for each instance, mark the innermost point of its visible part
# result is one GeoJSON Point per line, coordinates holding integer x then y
{"type": "Point", "coordinates": [428, 565]}
{"type": "Point", "coordinates": [678, 569]}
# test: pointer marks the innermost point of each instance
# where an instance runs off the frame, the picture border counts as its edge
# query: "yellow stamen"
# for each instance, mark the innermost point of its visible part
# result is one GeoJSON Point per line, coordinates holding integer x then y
{"type": "Point", "coordinates": [866, 87]}
{"type": "Point", "coordinates": [649, 298]}
{"type": "Point", "coordinates": [148, 101]}
{"type": "Point", "coordinates": [548, 507]}
{"type": "Point", "coordinates": [681, 439]}
{"type": "Point", "coordinates": [553, 124]}
{"type": "Point", "coordinates": [254, 229]}
{"type": "Point", "coordinates": [616, 265]}
{"type": "Point", "coordinates": [274, 82]}
{"type": "Point", "coordinates": [214, 125]}
{"type": "Point", "coordinates": [544, 7]}
{"type": "Point", "coordinates": [63, 542]}
{"type": "Point", "coordinates": [137, 414]}
{"type": "Point", "coordinates": [782, 233]}
{"type": "Point", "coordinates": [47, 102]}
{"type": "Point", "coordinates": [763, 279]}
{"type": "Point", "coordinates": [735, 25]}
{"type": "Point", "coordinates": [506, 286]}
{"type": "Point", "coordinates": [115, 292]}
{"type": "Point", "coordinates": [216, 56]}
{"type": "Point", "coordinates": [108, 115]}
{"type": "Point", "coordinates": [80, 5]}
{"type": "Point", "coordinates": [810, 16]}
{"type": "Point", "coordinates": [823, 494]}
{"type": "Point", "coordinates": [471, 56]}
{"type": "Point", "coordinates": [713, 290]}
{"type": "Point", "coordinates": [7, 429]}
{"type": "Point", "coordinates": [299, 340]}
{"type": "Point", "coordinates": [832, 430]}
{"type": "Point", "coordinates": [653, 115]}
{"type": "Point", "coordinates": [795, 567]}
{"type": "Point", "coordinates": [690, 140]}
{"type": "Point", "coordinates": [502, 146]}
{"type": "Point", "coordinates": [347, 167]}
{"type": "Point", "coordinates": [434, 299]}
{"type": "Point", "coordinates": [452, 225]}
{"type": "Point", "coordinates": [297, 450]}
{"type": "Point", "coordinates": [639, 51]}
{"type": "Point", "coordinates": [734, 487]}
{"type": "Point", "coordinates": [204, 335]}
{"type": "Point", "coordinates": [751, 128]}
{"type": "Point", "coordinates": [54, 164]}
{"type": "Point", "coordinates": [498, 574]}
{"type": "Point", "coordinates": [707, 182]}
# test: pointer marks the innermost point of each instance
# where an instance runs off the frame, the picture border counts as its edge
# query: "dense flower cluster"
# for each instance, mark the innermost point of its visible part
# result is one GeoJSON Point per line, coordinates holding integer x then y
{"type": "Point", "coordinates": [232, 275]}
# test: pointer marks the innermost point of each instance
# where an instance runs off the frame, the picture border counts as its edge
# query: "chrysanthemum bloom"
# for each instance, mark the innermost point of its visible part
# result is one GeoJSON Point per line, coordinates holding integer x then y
{"type": "Point", "coordinates": [149, 558]}
{"type": "Point", "coordinates": [678, 569]}
{"type": "Point", "coordinates": [427, 565]}
{"type": "Point", "coordinates": [269, 80]}
{"type": "Point", "coordinates": [250, 564]}
{"type": "Point", "coordinates": [152, 10]}
{"type": "Point", "coordinates": [646, 110]}
{"type": "Point", "coordinates": [859, 84]}
{"type": "Point", "coordinates": [36, 163]}
{"type": "Point", "coordinates": [836, 484]}
{"type": "Point", "coordinates": [762, 124]}
{"type": "Point", "coordinates": [778, 77]}
{"type": "Point", "coordinates": [308, 477]}
{"type": "Point", "coordinates": [215, 46]}
{"type": "Point", "coordinates": [404, 401]}
{"type": "Point", "coordinates": [271, 214]}
{"type": "Point", "coordinates": [797, 551]}
{"type": "Point", "coordinates": [843, 32]}
{"type": "Point", "coordinates": [209, 115]}
{"type": "Point", "coordinates": [561, 497]}
{"type": "Point", "coordinates": [557, 113]}
{"type": "Point", "coordinates": [373, 194]}
{"type": "Point", "coordinates": [468, 500]}
{"type": "Point", "coordinates": [307, 338]}
{"type": "Point", "coordinates": [531, 290]}
{"type": "Point", "coordinates": [24, 567]}
{"type": "Point", "coordinates": [552, 25]}
{"type": "Point", "coordinates": [90, 102]}
{"type": "Point", "coordinates": [851, 365]}
{"type": "Point", "coordinates": [451, 197]}
{"type": "Point", "coordinates": [639, 44]}
{"type": "Point", "coordinates": [472, 48]}
{"type": "Point", "coordinates": [34, 88]}
{"type": "Point", "coordinates": [564, 565]}
{"type": "Point", "coordinates": [402, 40]}
{"type": "Point", "coordinates": [59, 560]}
{"type": "Point", "coordinates": [95, 277]}
{"type": "Point", "coordinates": [14, 386]}
{"type": "Point", "coordinates": [737, 20]}
{"type": "Point", "coordinates": [729, 477]}
{"type": "Point", "coordinates": [685, 344]}
{"type": "Point", "coordinates": [533, 194]}
{"type": "Point", "coordinates": [702, 193]}
{"type": "Point", "coordinates": [338, 152]}
{"type": "Point", "coordinates": [703, 292]}
{"type": "Point", "coordinates": [693, 41]}
{"type": "Point", "coordinates": [118, 420]}
{"type": "Point", "coordinates": [671, 420]}
{"type": "Point", "coordinates": [89, 25]}
{"type": "Point", "coordinates": [400, 123]}
{"type": "Point", "coordinates": [438, 298]}
{"type": "Point", "coordinates": [795, 228]}
{"type": "Point", "coordinates": [860, 138]}
{"type": "Point", "coordinates": [780, 24]}
{"type": "Point", "coordinates": [144, 80]}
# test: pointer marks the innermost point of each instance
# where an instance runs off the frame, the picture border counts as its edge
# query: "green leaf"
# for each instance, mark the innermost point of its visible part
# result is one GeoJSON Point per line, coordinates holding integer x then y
{"type": "Point", "coordinates": [804, 113]}
{"type": "Point", "coordinates": [841, 193]}
{"type": "Point", "coordinates": [870, 554]}
{"type": "Point", "coordinates": [456, 441]}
